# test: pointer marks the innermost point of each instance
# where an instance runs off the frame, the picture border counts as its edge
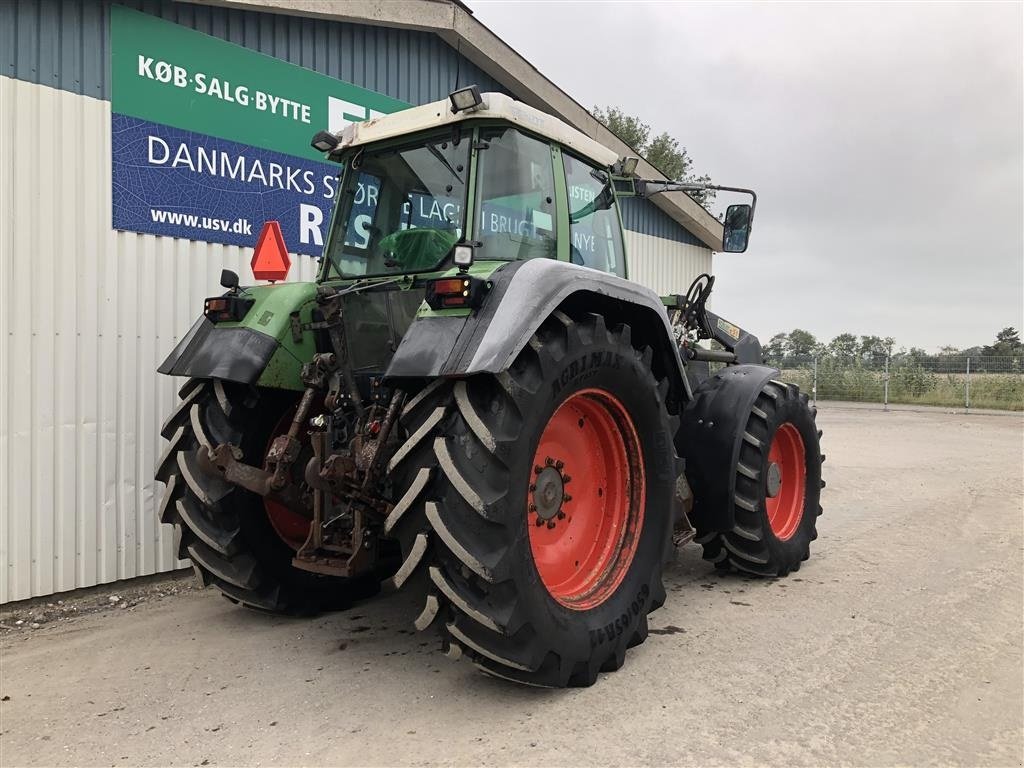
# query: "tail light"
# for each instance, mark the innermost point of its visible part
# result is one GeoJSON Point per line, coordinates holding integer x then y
{"type": "Point", "coordinates": [456, 292]}
{"type": "Point", "coordinates": [222, 309]}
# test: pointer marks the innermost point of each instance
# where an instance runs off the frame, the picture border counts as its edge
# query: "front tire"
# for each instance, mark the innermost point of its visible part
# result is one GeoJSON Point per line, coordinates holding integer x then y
{"type": "Point", "coordinates": [537, 506]}
{"type": "Point", "coordinates": [778, 487]}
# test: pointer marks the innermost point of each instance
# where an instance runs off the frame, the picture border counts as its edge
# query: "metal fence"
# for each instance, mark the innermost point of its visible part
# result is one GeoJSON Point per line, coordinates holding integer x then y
{"type": "Point", "coordinates": [959, 382]}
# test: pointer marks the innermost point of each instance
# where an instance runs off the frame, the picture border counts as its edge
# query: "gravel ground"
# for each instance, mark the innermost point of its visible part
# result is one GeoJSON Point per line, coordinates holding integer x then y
{"type": "Point", "coordinates": [127, 595]}
{"type": "Point", "coordinates": [900, 642]}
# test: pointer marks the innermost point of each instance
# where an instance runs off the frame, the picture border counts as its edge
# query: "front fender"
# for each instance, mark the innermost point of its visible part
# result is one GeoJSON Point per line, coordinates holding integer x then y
{"type": "Point", "coordinates": [522, 296]}
{"type": "Point", "coordinates": [711, 431]}
{"type": "Point", "coordinates": [258, 349]}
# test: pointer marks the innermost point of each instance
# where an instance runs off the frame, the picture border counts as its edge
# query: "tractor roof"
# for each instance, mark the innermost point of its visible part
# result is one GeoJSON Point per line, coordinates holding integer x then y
{"type": "Point", "coordinates": [496, 106]}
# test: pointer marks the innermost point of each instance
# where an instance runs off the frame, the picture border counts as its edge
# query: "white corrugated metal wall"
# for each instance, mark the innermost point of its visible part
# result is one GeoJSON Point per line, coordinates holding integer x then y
{"type": "Point", "coordinates": [665, 266]}
{"type": "Point", "coordinates": [86, 315]}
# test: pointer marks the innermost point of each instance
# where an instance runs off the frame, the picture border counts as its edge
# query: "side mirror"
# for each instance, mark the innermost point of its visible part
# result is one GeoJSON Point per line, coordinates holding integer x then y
{"type": "Point", "coordinates": [229, 279]}
{"type": "Point", "coordinates": [737, 228]}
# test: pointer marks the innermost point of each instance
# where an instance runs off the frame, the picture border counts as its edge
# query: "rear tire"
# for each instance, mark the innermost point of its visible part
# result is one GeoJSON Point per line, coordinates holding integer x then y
{"type": "Point", "coordinates": [467, 476]}
{"type": "Point", "coordinates": [773, 533]}
{"type": "Point", "coordinates": [224, 529]}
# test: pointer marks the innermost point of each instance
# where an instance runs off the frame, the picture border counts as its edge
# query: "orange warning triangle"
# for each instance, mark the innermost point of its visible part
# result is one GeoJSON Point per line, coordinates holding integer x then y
{"type": "Point", "coordinates": [270, 260]}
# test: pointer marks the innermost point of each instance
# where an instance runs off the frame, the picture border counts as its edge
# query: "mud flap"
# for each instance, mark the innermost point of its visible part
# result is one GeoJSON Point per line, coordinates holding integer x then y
{"type": "Point", "coordinates": [211, 352]}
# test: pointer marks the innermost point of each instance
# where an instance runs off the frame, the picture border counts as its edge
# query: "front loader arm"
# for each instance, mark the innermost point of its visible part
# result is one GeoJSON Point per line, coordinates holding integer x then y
{"type": "Point", "coordinates": [691, 312]}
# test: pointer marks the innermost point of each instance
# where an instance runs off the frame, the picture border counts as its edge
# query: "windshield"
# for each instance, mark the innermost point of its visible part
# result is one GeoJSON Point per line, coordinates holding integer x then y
{"type": "Point", "coordinates": [401, 209]}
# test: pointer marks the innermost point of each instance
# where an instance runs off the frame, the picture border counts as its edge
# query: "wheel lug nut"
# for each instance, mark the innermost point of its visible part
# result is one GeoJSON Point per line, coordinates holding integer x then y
{"type": "Point", "coordinates": [549, 461]}
{"type": "Point", "coordinates": [561, 515]}
{"type": "Point", "coordinates": [538, 469]}
{"type": "Point", "coordinates": [566, 479]}
{"type": "Point", "coordinates": [533, 507]}
{"type": "Point", "coordinates": [559, 464]}
{"type": "Point", "coordinates": [567, 497]}
{"type": "Point", "coordinates": [551, 524]}
{"type": "Point", "coordinates": [539, 522]}
{"type": "Point", "coordinates": [532, 488]}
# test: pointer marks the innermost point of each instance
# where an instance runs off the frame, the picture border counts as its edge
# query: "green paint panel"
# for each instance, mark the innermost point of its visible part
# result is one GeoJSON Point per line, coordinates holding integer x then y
{"type": "Point", "coordinates": [284, 371]}
{"type": "Point", "coordinates": [271, 315]}
{"type": "Point", "coordinates": [273, 305]}
{"type": "Point", "coordinates": [168, 74]}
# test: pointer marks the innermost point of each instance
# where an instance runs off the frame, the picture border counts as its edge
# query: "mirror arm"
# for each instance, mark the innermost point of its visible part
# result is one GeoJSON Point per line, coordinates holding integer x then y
{"type": "Point", "coordinates": [647, 188]}
{"type": "Point", "coordinates": [650, 187]}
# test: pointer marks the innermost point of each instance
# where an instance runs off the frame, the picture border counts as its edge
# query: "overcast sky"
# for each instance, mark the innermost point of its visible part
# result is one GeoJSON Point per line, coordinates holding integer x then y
{"type": "Point", "coordinates": [884, 141]}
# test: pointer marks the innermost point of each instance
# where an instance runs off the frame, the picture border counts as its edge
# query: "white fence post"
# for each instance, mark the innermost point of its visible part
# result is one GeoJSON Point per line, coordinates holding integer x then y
{"type": "Point", "coordinates": [814, 383]}
{"type": "Point", "coordinates": [885, 380]}
{"type": "Point", "coordinates": [967, 386]}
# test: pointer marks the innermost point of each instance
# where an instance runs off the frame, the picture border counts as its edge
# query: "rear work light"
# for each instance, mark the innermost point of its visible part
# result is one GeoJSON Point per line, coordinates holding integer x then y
{"type": "Point", "coordinates": [456, 292]}
{"type": "Point", "coordinates": [222, 309]}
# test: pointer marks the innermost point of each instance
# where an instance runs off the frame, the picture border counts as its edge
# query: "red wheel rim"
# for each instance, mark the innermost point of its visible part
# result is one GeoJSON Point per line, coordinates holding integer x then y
{"type": "Point", "coordinates": [589, 455]}
{"type": "Point", "coordinates": [291, 526]}
{"type": "Point", "coordinates": [786, 506]}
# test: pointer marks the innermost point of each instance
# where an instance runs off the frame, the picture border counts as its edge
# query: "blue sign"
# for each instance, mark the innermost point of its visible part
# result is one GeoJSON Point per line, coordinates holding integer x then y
{"type": "Point", "coordinates": [168, 181]}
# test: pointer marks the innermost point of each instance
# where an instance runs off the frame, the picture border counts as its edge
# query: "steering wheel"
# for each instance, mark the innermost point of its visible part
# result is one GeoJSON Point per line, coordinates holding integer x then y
{"type": "Point", "coordinates": [696, 296]}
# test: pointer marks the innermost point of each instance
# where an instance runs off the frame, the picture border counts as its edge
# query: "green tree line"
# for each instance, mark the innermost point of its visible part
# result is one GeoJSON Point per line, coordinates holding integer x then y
{"type": "Point", "coordinates": [869, 368]}
{"type": "Point", "coordinates": [852, 349]}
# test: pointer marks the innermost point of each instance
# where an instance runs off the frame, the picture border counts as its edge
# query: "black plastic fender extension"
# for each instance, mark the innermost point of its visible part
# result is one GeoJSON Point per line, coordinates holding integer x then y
{"type": "Point", "coordinates": [212, 352]}
{"type": "Point", "coordinates": [709, 439]}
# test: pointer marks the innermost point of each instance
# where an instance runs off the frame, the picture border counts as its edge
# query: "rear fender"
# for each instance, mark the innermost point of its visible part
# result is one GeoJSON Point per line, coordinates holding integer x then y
{"type": "Point", "coordinates": [258, 349]}
{"type": "Point", "coordinates": [523, 295]}
{"type": "Point", "coordinates": [709, 439]}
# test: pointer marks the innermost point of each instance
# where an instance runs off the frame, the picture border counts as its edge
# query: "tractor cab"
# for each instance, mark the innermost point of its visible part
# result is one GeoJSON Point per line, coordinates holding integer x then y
{"type": "Point", "coordinates": [449, 191]}
{"type": "Point", "coordinates": [463, 188]}
{"type": "Point", "coordinates": [499, 179]}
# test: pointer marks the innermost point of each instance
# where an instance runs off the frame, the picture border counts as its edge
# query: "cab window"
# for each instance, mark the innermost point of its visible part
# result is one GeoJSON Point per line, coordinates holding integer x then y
{"type": "Point", "coordinates": [363, 213]}
{"type": "Point", "coordinates": [515, 199]}
{"type": "Point", "coordinates": [596, 239]}
{"type": "Point", "coordinates": [400, 208]}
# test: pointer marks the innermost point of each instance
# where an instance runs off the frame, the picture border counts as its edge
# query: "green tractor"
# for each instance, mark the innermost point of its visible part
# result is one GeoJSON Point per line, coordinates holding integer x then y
{"type": "Point", "coordinates": [474, 402]}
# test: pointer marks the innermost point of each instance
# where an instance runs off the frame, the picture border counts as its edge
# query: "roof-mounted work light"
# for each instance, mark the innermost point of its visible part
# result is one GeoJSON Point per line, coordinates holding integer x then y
{"type": "Point", "coordinates": [626, 165]}
{"type": "Point", "coordinates": [466, 99]}
{"type": "Point", "coordinates": [324, 141]}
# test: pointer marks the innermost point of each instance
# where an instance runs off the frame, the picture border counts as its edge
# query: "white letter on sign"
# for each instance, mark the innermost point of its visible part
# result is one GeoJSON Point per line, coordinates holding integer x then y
{"type": "Point", "coordinates": [310, 219]}
{"type": "Point", "coordinates": [341, 113]}
{"type": "Point", "coordinates": [163, 145]}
